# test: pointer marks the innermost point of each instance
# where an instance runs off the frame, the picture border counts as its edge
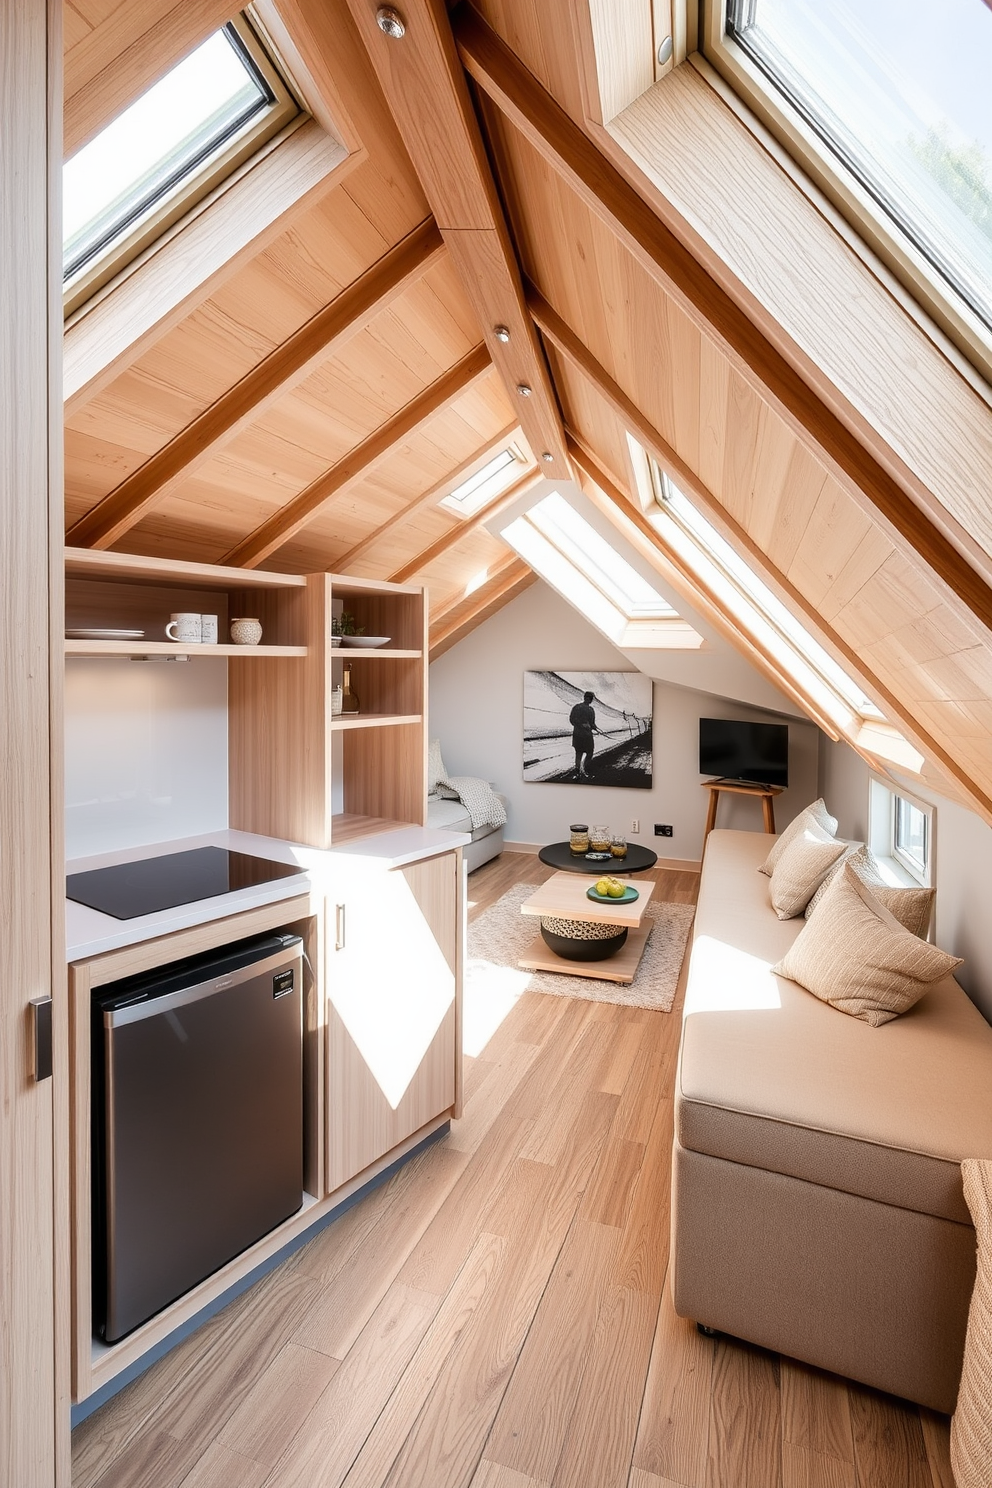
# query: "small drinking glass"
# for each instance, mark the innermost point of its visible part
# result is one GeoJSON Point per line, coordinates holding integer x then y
{"type": "Point", "coordinates": [618, 846]}
{"type": "Point", "coordinates": [600, 839]}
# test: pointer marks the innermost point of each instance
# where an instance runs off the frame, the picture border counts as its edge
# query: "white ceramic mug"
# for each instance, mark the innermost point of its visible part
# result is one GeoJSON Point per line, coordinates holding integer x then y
{"type": "Point", "coordinates": [208, 630]}
{"type": "Point", "coordinates": [186, 627]}
{"type": "Point", "coordinates": [246, 631]}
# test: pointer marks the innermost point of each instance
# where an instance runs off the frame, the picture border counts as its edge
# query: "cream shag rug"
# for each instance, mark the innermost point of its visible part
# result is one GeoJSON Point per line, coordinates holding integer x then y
{"type": "Point", "coordinates": [501, 935]}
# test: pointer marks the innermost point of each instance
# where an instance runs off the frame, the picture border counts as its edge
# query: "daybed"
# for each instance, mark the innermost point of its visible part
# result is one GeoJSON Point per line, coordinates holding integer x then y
{"type": "Point", "coordinates": [817, 1201]}
{"type": "Point", "coordinates": [487, 841]}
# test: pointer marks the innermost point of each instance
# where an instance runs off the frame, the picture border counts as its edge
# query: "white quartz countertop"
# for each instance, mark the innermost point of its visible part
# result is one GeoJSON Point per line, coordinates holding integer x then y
{"type": "Point", "coordinates": [90, 933]}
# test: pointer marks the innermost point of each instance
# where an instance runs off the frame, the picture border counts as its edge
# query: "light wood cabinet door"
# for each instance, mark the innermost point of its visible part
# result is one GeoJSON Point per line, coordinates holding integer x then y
{"type": "Point", "coordinates": [392, 954]}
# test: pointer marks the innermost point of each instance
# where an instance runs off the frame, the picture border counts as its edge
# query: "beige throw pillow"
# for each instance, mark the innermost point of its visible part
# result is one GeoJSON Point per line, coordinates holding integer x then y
{"type": "Point", "coordinates": [817, 814]}
{"type": "Point", "coordinates": [855, 955]}
{"type": "Point", "coordinates": [971, 1424]}
{"type": "Point", "coordinates": [913, 907]}
{"type": "Point", "coordinates": [801, 868]}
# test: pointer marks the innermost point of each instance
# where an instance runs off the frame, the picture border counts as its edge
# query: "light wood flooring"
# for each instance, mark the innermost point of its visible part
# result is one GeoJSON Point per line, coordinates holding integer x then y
{"type": "Point", "coordinates": [497, 1315]}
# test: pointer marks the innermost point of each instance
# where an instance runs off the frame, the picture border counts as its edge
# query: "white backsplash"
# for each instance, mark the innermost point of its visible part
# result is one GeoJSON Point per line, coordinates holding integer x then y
{"type": "Point", "coordinates": [145, 752]}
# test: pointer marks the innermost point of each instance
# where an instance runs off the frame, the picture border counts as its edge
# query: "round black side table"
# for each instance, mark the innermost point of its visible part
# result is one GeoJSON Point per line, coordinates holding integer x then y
{"type": "Point", "coordinates": [559, 855]}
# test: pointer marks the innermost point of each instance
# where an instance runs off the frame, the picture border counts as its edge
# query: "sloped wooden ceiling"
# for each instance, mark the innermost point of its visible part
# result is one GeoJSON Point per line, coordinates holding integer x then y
{"type": "Point", "coordinates": [310, 407]}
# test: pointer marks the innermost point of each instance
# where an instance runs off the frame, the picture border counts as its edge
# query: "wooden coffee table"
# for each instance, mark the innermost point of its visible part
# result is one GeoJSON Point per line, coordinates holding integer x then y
{"type": "Point", "coordinates": [564, 896]}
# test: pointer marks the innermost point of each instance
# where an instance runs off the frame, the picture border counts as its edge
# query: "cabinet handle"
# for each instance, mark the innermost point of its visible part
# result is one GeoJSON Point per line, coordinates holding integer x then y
{"type": "Point", "coordinates": [339, 927]}
{"type": "Point", "coordinates": [41, 1037]}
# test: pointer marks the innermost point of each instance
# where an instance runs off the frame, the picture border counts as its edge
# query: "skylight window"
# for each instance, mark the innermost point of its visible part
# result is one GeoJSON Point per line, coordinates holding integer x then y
{"type": "Point", "coordinates": [760, 612]}
{"type": "Point", "coordinates": [888, 105]}
{"type": "Point", "coordinates": [165, 152]}
{"type": "Point", "coordinates": [586, 569]}
{"type": "Point", "coordinates": [485, 484]}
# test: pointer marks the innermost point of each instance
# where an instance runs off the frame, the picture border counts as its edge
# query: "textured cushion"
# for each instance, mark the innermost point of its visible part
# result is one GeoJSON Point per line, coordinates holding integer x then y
{"type": "Point", "coordinates": [435, 766]}
{"type": "Point", "coordinates": [817, 814]}
{"type": "Point", "coordinates": [801, 868]}
{"type": "Point", "coordinates": [971, 1424]}
{"type": "Point", "coordinates": [855, 955]}
{"type": "Point", "coordinates": [912, 907]}
{"type": "Point", "coordinates": [772, 1078]}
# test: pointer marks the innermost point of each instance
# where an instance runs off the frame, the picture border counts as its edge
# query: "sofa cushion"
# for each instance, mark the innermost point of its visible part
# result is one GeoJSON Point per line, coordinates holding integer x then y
{"type": "Point", "coordinates": [800, 870]}
{"type": "Point", "coordinates": [856, 956]}
{"type": "Point", "coordinates": [816, 814]}
{"type": "Point", "coordinates": [912, 907]}
{"type": "Point", "coordinates": [773, 1078]}
{"type": "Point", "coordinates": [451, 816]}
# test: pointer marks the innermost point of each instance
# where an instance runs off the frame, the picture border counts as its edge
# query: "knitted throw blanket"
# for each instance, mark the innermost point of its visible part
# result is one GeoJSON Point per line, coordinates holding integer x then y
{"type": "Point", "coordinates": [477, 796]}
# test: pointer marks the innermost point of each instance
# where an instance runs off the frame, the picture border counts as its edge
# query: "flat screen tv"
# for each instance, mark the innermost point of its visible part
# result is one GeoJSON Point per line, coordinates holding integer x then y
{"type": "Point", "coordinates": [757, 753]}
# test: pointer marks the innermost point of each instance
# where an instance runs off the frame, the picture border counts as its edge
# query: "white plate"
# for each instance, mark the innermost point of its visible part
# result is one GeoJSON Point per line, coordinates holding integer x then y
{"type": "Point", "coordinates": [104, 635]}
{"type": "Point", "coordinates": [365, 640]}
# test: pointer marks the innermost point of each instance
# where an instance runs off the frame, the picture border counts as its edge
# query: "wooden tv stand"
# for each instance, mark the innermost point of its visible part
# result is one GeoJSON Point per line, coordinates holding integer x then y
{"type": "Point", "coordinates": [767, 794]}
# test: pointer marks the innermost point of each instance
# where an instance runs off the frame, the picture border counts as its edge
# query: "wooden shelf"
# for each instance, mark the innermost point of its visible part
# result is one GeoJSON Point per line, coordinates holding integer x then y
{"type": "Point", "coordinates": [345, 721]}
{"type": "Point", "coordinates": [173, 648]}
{"type": "Point", "coordinates": [352, 828]}
{"type": "Point", "coordinates": [366, 653]}
{"type": "Point", "coordinates": [90, 563]}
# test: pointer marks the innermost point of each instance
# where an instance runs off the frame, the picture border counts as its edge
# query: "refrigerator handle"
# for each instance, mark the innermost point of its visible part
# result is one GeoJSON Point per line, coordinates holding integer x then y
{"type": "Point", "coordinates": [339, 927]}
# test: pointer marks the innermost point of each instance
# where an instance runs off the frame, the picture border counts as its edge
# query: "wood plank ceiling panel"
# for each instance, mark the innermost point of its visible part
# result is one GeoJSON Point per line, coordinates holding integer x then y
{"type": "Point", "coordinates": [223, 340]}
{"type": "Point", "coordinates": [867, 633]}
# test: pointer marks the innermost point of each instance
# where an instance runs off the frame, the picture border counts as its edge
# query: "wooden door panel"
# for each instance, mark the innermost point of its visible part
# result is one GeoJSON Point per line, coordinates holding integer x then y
{"type": "Point", "coordinates": [391, 1012]}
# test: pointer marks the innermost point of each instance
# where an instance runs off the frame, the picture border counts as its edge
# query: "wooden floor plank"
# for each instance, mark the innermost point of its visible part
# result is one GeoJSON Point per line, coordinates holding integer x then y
{"type": "Point", "coordinates": [535, 1416]}
{"type": "Point", "coordinates": [272, 1412]}
{"type": "Point", "coordinates": [745, 1429]}
{"type": "Point", "coordinates": [496, 1314]}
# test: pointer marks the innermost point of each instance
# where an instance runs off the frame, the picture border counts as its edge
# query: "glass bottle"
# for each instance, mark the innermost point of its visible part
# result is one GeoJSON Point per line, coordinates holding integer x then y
{"type": "Point", "coordinates": [349, 699]}
{"type": "Point", "coordinates": [578, 841]}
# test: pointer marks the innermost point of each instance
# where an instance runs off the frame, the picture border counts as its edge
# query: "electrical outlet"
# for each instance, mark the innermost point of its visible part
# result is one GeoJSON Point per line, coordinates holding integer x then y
{"type": "Point", "coordinates": [635, 825]}
{"type": "Point", "coordinates": [662, 830]}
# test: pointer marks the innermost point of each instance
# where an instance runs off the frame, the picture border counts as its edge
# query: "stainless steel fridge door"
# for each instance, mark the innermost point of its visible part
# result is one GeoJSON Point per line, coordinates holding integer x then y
{"type": "Point", "coordinates": [204, 1131]}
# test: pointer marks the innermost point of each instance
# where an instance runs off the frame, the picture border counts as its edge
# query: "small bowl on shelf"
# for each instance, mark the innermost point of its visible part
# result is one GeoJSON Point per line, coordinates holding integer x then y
{"type": "Point", "coordinates": [365, 641]}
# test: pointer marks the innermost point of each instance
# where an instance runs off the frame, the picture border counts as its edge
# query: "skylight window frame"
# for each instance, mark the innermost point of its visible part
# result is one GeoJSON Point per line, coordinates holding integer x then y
{"type": "Point", "coordinates": [753, 617]}
{"type": "Point", "coordinates": [593, 574]}
{"type": "Point", "coordinates": [877, 234]}
{"type": "Point", "coordinates": [472, 504]}
{"type": "Point", "coordinates": [284, 112]}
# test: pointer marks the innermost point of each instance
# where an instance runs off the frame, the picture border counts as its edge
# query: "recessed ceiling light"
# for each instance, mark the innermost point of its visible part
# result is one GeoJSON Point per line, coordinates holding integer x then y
{"type": "Point", "coordinates": [390, 21]}
{"type": "Point", "coordinates": [524, 390]}
{"type": "Point", "coordinates": [502, 333]}
{"type": "Point", "coordinates": [547, 456]}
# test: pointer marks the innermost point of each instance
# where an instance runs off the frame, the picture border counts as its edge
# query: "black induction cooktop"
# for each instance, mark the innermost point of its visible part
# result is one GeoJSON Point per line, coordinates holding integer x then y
{"type": "Point", "coordinates": [128, 890]}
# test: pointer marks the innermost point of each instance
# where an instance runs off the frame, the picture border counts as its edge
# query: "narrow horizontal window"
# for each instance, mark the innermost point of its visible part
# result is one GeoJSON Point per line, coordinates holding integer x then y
{"type": "Point", "coordinates": [898, 98]}
{"type": "Point", "coordinates": [175, 143]}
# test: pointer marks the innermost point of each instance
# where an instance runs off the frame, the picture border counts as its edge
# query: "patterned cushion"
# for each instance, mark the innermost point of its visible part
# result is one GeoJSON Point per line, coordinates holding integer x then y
{"type": "Point", "coordinates": [913, 907]}
{"type": "Point", "coordinates": [800, 870]}
{"type": "Point", "coordinates": [971, 1424]}
{"type": "Point", "coordinates": [816, 814]}
{"type": "Point", "coordinates": [435, 766]}
{"type": "Point", "coordinates": [855, 955]}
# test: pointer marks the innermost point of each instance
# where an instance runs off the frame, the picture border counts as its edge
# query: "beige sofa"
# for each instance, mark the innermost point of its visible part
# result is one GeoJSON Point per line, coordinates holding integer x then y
{"type": "Point", "coordinates": [817, 1203]}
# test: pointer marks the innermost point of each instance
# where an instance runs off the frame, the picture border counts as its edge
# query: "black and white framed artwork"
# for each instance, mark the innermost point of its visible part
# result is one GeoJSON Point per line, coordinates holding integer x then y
{"type": "Point", "coordinates": [588, 728]}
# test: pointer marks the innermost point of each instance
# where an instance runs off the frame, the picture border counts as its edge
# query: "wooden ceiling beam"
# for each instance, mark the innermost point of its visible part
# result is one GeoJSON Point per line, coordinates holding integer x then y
{"type": "Point", "coordinates": [568, 343]}
{"type": "Point", "coordinates": [284, 368]}
{"type": "Point", "coordinates": [292, 518]}
{"type": "Point", "coordinates": [429, 498]}
{"type": "Point", "coordinates": [459, 601]}
{"type": "Point", "coordinates": [455, 535]}
{"type": "Point", "coordinates": [491, 601]}
{"type": "Point", "coordinates": [910, 514]}
{"type": "Point", "coordinates": [425, 88]}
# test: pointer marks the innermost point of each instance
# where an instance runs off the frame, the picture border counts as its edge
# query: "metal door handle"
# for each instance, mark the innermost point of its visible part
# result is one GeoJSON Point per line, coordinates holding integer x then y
{"type": "Point", "coordinates": [41, 1037]}
{"type": "Point", "coordinates": [339, 927]}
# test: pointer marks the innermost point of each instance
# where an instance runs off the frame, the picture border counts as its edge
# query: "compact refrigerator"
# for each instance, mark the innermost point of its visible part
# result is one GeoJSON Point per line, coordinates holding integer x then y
{"type": "Point", "coordinates": [197, 1121]}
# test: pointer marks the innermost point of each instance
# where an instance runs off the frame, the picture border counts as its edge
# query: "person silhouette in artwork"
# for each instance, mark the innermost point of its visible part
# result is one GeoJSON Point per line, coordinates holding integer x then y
{"type": "Point", "coordinates": [583, 721]}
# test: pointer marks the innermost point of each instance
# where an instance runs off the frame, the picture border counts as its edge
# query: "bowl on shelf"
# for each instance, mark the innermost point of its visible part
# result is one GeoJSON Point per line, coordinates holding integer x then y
{"type": "Point", "coordinates": [367, 641]}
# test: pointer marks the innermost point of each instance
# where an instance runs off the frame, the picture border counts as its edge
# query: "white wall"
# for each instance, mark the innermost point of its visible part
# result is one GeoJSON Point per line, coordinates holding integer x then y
{"type": "Point", "coordinates": [145, 753]}
{"type": "Point", "coordinates": [476, 710]}
{"type": "Point", "coordinates": [962, 856]}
